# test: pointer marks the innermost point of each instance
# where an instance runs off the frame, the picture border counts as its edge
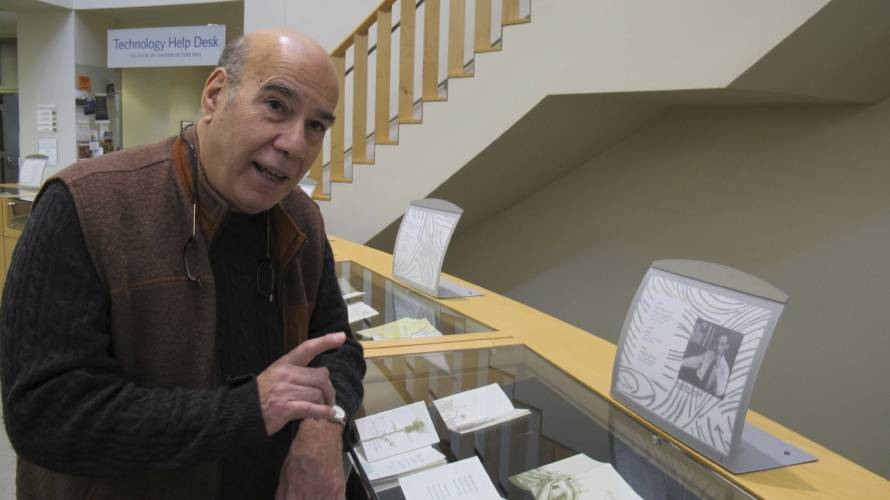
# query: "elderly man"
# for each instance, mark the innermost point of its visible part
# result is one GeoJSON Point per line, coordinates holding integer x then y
{"type": "Point", "coordinates": [171, 325]}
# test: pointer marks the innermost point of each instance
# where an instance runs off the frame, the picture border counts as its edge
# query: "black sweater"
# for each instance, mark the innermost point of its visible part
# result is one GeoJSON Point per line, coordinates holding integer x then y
{"type": "Point", "coordinates": [58, 367]}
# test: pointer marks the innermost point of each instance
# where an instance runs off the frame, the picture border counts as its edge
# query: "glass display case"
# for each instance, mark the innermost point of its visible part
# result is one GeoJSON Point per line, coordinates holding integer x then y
{"type": "Point", "coordinates": [391, 301]}
{"type": "Point", "coordinates": [17, 213]}
{"type": "Point", "coordinates": [564, 419]}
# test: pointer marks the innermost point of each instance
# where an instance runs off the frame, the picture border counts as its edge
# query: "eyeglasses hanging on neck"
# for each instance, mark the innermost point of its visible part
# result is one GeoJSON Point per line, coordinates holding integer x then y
{"type": "Point", "coordinates": [190, 251]}
{"type": "Point", "coordinates": [265, 271]}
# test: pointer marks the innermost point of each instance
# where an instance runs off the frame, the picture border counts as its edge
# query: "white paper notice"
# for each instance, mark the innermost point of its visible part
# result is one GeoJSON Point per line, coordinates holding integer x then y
{"type": "Point", "coordinates": [346, 288]}
{"type": "Point", "coordinates": [657, 331]}
{"type": "Point", "coordinates": [46, 118]}
{"type": "Point", "coordinates": [477, 408]}
{"type": "Point", "coordinates": [358, 311]}
{"type": "Point", "coordinates": [465, 479]}
{"type": "Point", "coordinates": [400, 464]}
{"type": "Point", "coordinates": [50, 149]}
{"type": "Point", "coordinates": [396, 431]}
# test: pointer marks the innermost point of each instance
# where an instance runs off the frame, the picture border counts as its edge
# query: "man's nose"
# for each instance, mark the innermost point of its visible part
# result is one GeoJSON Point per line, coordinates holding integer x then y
{"type": "Point", "coordinates": [292, 141]}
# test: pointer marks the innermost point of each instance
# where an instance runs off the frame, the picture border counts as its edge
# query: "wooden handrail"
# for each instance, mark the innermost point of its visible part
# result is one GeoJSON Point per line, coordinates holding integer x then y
{"type": "Point", "coordinates": [360, 100]}
{"type": "Point", "coordinates": [383, 77]}
{"type": "Point", "coordinates": [338, 130]}
{"type": "Point", "coordinates": [316, 173]}
{"type": "Point", "coordinates": [362, 28]}
{"type": "Point", "coordinates": [431, 51]}
{"type": "Point", "coordinates": [483, 26]}
{"type": "Point", "coordinates": [511, 13]}
{"type": "Point", "coordinates": [457, 18]}
{"type": "Point", "coordinates": [432, 40]}
{"type": "Point", "coordinates": [406, 61]}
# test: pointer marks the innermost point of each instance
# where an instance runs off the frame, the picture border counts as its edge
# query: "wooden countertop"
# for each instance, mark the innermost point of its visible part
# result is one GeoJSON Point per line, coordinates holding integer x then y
{"type": "Point", "coordinates": [589, 359]}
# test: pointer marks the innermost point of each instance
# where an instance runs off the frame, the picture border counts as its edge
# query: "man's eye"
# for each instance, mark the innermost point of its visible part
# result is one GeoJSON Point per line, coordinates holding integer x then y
{"type": "Point", "coordinates": [275, 105]}
{"type": "Point", "coordinates": [317, 126]}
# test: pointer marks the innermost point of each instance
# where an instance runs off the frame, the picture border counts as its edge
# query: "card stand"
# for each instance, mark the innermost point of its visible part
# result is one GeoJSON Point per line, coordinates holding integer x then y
{"type": "Point", "coordinates": [423, 239]}
{"type": "Point", "coordinates": [688, 320]}
{"type": "Point", "coordinates": [449, 289]}
{"type": "Point", "coordinates": [760, 450]}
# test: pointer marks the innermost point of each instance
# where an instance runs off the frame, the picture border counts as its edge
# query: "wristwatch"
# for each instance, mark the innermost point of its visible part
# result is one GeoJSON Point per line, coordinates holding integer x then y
{"type": "Point", "coordinates": [339, 416]}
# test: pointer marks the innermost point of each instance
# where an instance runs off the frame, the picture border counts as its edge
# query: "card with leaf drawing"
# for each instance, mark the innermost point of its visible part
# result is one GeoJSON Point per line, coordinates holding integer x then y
{"type": "Point", "coordinates": [396, 431]}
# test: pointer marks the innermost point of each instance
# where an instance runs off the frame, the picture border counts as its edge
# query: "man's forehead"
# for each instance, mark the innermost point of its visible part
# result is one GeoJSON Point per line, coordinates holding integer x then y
{"type": "Point", "coordinates": [295, 72]}
{"type": "Point", "coordinates": [298, 91]}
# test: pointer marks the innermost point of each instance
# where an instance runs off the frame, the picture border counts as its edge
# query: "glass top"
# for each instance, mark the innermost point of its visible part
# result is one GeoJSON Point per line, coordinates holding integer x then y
{"type": "Point", "coordinates": [374, 300]}
{"type": "Point", "coordinates": [565, 419]}
{"type": "Point", "coordinates": [19, 209]}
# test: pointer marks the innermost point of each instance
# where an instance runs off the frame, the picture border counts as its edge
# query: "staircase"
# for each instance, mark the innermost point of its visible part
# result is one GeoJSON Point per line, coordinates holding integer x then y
{"type": "Point", "coordinates": [577, 77]}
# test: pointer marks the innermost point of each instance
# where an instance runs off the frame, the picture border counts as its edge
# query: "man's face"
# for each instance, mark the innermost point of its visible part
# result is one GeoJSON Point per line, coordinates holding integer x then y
{"type": "Point", "coordinates": [722, 345]}
{"type": "Point", "coordinates": [259, 142]}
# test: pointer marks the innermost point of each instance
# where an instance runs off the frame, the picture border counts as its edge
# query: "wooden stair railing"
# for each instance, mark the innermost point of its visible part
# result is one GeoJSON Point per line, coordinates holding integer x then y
{"type": "Point", "coordinates": [334, 154]}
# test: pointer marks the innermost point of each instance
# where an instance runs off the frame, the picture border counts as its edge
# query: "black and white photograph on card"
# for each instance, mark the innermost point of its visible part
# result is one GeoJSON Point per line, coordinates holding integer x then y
{"type": "Point", "coordinates": [709, 357]}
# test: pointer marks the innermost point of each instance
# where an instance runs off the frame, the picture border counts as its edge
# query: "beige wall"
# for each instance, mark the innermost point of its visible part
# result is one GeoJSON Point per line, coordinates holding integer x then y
{"type": "Point", "coordinates": [155, 100]}
{"type": "Point", "coordinates": [9, 72]}
{"type": "Point", "coordinates": [796, 195]}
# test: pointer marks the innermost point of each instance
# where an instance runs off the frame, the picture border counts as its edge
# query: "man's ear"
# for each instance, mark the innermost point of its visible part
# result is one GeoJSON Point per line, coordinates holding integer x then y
{"type": "Point", "coordinates": [215, 89]}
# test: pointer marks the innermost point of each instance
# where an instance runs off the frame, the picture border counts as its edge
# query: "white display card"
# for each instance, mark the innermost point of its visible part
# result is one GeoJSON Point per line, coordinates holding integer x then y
{"type": "Point", "coordinates": [462, 480]}
{"type": "Point", "coordinates": [475, 409]}
{"type": "Point", "coordinates": [358, 310]}
{"type": "Point", "coordinates": [397, 431]}
{"type": "Point", "coordinates": [422, 241]}
{"type": "Point", "coordinates": [579, 477]}
{"type": "Point", "coordinates": [690, 350]}
{"type": "Point", "coordinates": [389, 468]}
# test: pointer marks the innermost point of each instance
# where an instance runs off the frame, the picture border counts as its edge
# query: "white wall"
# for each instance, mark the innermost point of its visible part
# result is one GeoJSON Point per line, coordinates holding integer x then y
{"type": "Point", "coordinates": [326, 22]}
{"type": "Point", "coordinates": [46, 76]}
{"type": "Point", "coordinates": [796, 195]}
{"type": "Point", "coordinates": [329, 22]}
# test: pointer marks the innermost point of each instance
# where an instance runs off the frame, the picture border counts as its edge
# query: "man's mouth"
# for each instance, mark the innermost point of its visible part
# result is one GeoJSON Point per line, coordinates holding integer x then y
{"type": "Point", "coordinates": [271, 174]}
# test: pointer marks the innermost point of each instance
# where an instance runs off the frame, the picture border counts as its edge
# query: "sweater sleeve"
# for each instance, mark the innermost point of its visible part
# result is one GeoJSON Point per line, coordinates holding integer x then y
{"type": "Point", "coordinates": [346, 364]}
{"type": "Point", "coordinates": [67, 405]}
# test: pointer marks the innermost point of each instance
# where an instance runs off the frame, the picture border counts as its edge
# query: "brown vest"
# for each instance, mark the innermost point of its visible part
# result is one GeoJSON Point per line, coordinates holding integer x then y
{"type": "Point", "coordinates": [136, 212]}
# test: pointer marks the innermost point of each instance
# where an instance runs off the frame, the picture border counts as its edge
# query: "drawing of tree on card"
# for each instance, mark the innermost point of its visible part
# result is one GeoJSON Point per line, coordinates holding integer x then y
{"type": "Point", "coordinates": [396, 431]}
{"type": "Point", "coordinates": [417, 426]}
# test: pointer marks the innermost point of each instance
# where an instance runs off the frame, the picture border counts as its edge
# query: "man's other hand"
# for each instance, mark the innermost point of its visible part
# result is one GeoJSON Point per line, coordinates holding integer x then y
{"type": "Point", "coordinates": [289, 390]}
{"type": "Point", "coordinates": [313, 469]}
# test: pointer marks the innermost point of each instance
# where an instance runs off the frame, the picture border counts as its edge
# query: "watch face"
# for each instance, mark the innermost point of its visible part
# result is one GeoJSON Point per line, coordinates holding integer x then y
{"type": "Point", "coordinates": [339, 415]}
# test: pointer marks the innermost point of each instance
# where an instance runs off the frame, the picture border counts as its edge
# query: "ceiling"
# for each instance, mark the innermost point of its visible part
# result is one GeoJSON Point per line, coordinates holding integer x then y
{"type": "Point", "coordinates": [222, 12]}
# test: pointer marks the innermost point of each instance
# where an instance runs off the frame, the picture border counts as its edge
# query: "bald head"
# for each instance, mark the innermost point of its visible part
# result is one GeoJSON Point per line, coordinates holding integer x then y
{"type": "Point", "coordinates": [248, 54]}
{"type": "Point", "coordinates": [264, 113]}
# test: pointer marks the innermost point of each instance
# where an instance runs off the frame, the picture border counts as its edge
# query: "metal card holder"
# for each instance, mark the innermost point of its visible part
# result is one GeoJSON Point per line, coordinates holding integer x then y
{"type": "Point", "coordinates": [692, 343]}
{"type": "Point", "coordinates": [424, 235]}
